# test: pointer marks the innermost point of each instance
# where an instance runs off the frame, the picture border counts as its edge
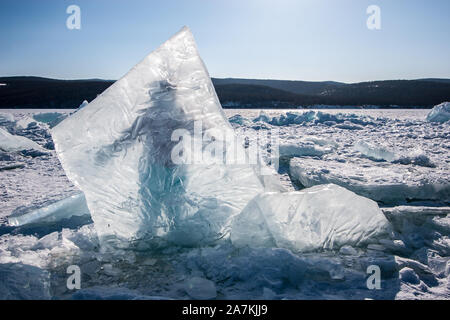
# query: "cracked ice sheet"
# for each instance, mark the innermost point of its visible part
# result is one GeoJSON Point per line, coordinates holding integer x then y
{"type": "Point", "coordinates": [117, 150]}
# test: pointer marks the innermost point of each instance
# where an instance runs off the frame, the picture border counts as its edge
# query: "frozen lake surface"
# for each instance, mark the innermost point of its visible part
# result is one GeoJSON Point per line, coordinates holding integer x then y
{"type": "Point", "coordinates": [394, 157]}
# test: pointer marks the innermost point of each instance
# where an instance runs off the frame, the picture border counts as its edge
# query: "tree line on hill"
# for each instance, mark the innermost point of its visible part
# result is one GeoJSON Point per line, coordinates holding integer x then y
{"type": "Point", "coordinates": [36, 92]}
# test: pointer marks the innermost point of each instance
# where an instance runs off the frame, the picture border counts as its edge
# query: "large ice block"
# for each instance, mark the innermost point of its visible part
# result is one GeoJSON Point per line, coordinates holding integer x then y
{"type": "Point", "coordinates": [119, 150]}
{"type": "Point", "coordinates": [321, 217]}
{"type": "Point", "coordinates": [440, 113]}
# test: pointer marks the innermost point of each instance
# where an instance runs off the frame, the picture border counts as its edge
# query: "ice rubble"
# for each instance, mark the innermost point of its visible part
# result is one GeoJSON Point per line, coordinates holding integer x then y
{"type": "Point", "coordinates": [321, 217]}
{"type": "Point", "coordinates": [344, 121]}
{"type": "Point", "coordinates": [117, 150]}
{"type": "Point", "coordinates": [200, 288]}
{"type": "Point", "coordinates": [421, 240]}
{"type": "Point", "coordinates": [15, 277]}
{"type": "Point", "coordinates": [388, 183]}
{"type": "Point", "coordinates": [440, 113]}
{"type": "Point", "coordinates": [6, 118]}
{"type": "Point", "coordinates": [13, 143]}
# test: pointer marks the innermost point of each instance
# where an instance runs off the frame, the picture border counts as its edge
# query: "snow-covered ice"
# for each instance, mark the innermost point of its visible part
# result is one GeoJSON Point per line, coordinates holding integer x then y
{"type": "Point", "coordinates": [387, 183]}
{"type": "Point", "coordinates": [419, 240]}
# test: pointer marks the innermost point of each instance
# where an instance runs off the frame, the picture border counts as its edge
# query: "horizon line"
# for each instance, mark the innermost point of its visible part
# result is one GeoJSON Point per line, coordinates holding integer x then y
{"type": "Point", "coordinates": [229, 78]}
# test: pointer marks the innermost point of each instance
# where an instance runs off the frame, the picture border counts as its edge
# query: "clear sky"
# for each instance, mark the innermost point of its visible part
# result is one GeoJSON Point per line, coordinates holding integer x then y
{"type": "Point", "coordinates": [267, 39]}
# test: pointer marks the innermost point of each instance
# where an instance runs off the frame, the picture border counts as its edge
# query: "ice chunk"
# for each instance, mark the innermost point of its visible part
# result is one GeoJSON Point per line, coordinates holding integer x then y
{"type": "Point", "coordinates": [201, 288]}
{"type": "Point", "coordinates": [416, 157]}
{"type": "Point", "coordinates": [240, 120]}
{"type": "Point", "coordinates": [83, 104]}
{"type": "Point", "coordinates": [348, 251]}
{"type": "Point", "coordinates": [300, 149]}
{"type": "Point", "coordinates": [326, 216]}
{"type": "Point", "coordinates": [72, 206]}
{"type": "Point", "coordinates": [416, 211]}
{"type": "Point", "coordinates": [408, 275]}
{"type": "Point", "coordinates": [25, 122]}
{"type": "Point", "coordinates": [6, 119]}
{"type": "Point", "coordinates": [375, 152]}
{"type": "Point", "coordinates": [262, 117]}
{"type": "Point", "coordinates": [12, 166]}
{"type": "Point", "coordinates": [385, 182]}
{"type": "Point", "coordinates": [12, 143]}
{"type": "Point", "coordinates": [21, 282]}
{"type": "Point", "coordinates": [118, 151]}
{"type": "Point", "coordinates": [440, 113]}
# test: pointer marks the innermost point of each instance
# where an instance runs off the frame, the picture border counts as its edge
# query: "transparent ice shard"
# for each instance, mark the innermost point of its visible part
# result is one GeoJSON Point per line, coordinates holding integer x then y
{"type": "Point", "coordinates": [374, 152]}
{"type": "Point", "coordinates": [13, 143]}
{"type": "Point", "coordinates": [74, 205]}
{"type": "Point", "coordinates": [440, 113]}
{"type": "Point", "coordinates": [119, 151]}
{"type": "Point", "coordinates": [325, 216]}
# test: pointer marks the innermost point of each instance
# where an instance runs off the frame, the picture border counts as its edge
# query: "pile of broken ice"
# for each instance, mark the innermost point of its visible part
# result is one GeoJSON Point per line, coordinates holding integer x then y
{"type": "Point", "coordinates": [119, 151]}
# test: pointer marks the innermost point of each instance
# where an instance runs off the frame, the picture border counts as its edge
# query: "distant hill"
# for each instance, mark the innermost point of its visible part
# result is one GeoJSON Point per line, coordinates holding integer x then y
{"type": "Point", "coordinates": [36, 92]}
{"type": "Point", "coordinates": [299, 87]}
{"type": "Point", "coordinates": [404, 93]}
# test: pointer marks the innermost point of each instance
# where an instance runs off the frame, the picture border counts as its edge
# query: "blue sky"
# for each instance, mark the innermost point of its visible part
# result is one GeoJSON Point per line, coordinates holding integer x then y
{"type": "Point", "coordinates": [283, 39]}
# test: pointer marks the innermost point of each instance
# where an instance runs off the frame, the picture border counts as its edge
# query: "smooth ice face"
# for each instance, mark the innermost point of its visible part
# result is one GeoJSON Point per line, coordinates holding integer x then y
{"type": "Point", "coordinates": [74, 205]}
{"type": "Point", "coordinates": [325, 216]}
{"type": "Point", "coordinates": [119, 150]}
{"type": "Point", "coordinates": [375, 152]}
